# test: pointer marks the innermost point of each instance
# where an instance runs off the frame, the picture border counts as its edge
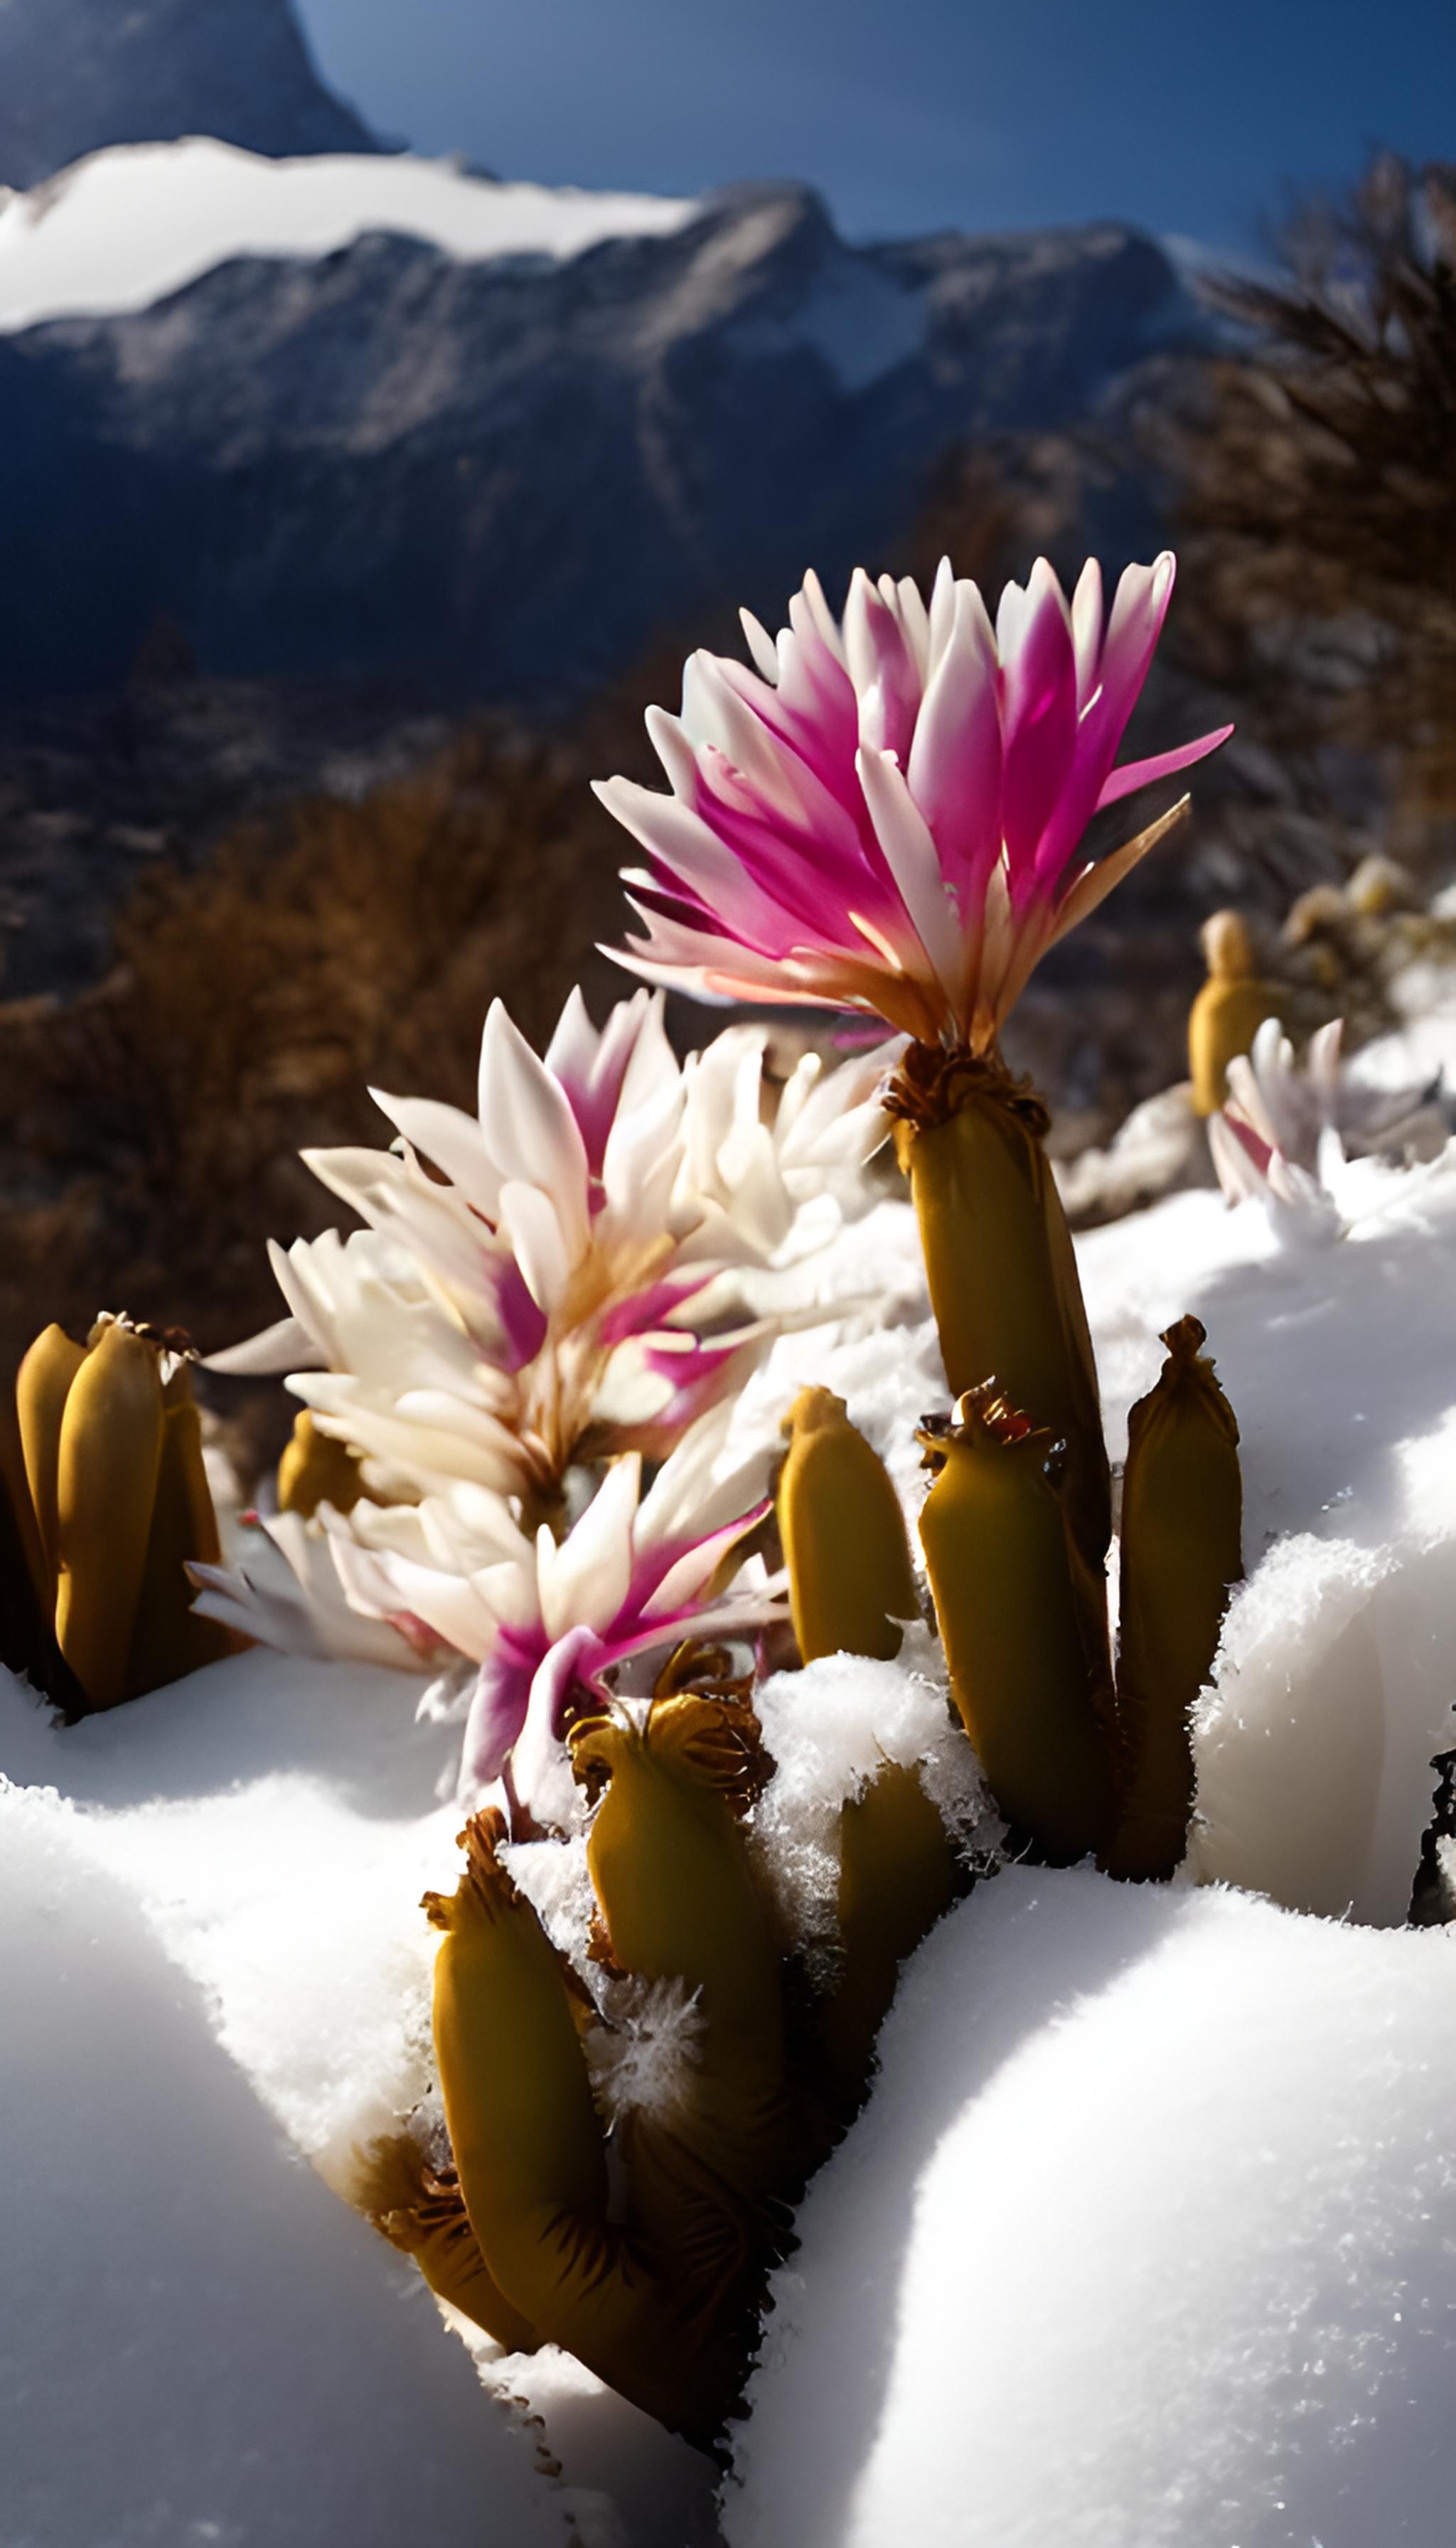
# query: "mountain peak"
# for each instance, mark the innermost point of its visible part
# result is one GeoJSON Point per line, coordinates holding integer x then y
{"type": "Point", "coordinates": [76, 75]}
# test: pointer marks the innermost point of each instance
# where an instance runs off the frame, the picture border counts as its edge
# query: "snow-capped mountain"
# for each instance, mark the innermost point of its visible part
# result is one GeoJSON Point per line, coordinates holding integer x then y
{"type": "Point", "coordinates": [76, 75]}
{"type": "Point", "coordinates": [379, 415]}
{"type": "Point", "coordinates": [125, 227]}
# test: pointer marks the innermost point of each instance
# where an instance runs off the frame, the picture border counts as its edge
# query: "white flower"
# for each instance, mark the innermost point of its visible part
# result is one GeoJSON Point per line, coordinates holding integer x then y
{"type": "Point", "coordinates": [545, 1281]}
{"type": "Point", "coordinates": [1275, 1141]}
{"type": "Point", "coordinates": [542, 1617]}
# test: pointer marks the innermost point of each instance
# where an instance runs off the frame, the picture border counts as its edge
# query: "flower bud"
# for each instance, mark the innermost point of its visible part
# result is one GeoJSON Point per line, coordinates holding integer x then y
{"type": "Point", "coordinates": [110, 1454]}
{"type": "Point", "coordinates": [1182, 1514]}
{"type": "Point", "coordinates": [1000, 1264]}
{"type": "Point", "coordinates": [170, 1639]}
{"type": "Point", "coordinates": [851, 1581]}
{"type": "Point", "coordinates": [680, 1901]}
{"type": "Point", "coordinates": [897, 1874]}
{"type": "Point", "coordinates": [25, 1640]}
{"type": "Point", "coordinates": [113, 1463]}
{"type": "Point", "coordinates": [317, 1470]}
{"type": "Point", "coordinates": [1028, 1682]}
{"type": "Point", "coordinates": [1228, 1010]}
{"type": "Point", "coordinates": [42, 1386]}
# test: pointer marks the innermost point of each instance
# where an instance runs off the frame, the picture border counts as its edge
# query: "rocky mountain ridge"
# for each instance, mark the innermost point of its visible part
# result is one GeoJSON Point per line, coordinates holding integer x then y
{"type": "Point", "coordinates": [505, 477]}
{"type": "Point", "coordinates": [79, 75]}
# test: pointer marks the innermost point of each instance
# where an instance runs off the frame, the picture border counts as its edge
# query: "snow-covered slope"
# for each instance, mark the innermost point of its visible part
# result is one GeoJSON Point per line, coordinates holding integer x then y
{"type": "Point", "coordinates": [198, 2342]}
{"type": "Point", "coordinates": [76, 75]}
{"type": "Point", "coordinates": [127, 227]}
{"type": "Point", "coordinates": [1147, 2240]}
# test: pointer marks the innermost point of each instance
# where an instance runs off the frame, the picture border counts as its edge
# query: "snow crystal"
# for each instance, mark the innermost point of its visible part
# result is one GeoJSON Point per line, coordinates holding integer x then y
{"type": "Point", "coordinates": [1147, 2239]}
{"type": "Point", "coordinates": [829, 1729]}
{"type": "Point", "coordinates": [554, 1878]}
{"type": "Point", "coordinates": [643, 2058]}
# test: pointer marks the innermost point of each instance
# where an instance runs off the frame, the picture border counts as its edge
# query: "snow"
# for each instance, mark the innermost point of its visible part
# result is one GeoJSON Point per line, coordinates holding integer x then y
{"type": "Point", "coordinates": [1173, 2158]}
{"type": "Point", "coordinates": [128, 226]}
{"type": "Point", "coordinates": [1147, 2240]}
{"type": "Point", "coordinates": [236, 1870]}
{"type": "Point", "coordinates": [199, 2343]}
{"type": "Point", "coordinates": [1340, 1365]}
{"type": "Point", "coordinates": [829, 1730]}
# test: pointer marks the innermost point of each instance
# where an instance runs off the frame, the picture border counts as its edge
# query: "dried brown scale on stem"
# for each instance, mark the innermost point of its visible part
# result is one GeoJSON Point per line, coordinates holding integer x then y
{"type": "Point", "coordinates": [423, 2214]}
{"type": "Point", "coordinates": [1181, 1524]}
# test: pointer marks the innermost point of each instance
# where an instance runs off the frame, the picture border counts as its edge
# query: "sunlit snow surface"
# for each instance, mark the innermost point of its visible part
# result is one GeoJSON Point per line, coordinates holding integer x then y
{"type": "Point", "coordinates": [1147, 2239]}
{"type": "Point", "coordinates": [1144, 2239]}
{"type": "Point", "coordinates": [127, 225]}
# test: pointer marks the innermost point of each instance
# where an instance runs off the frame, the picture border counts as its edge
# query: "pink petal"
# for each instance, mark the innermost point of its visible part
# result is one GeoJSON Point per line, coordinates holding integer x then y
{"type": "Point", "coordinates": [497, 1707]}
{"type": "Point", "coordinates": [1040, 725]}
{"type": "Point", "coordinates": [1140, 774]}
{"type": "Point", "coordinates": [883, 669]}
{"type": "Point", "coordinates": [954, 765]}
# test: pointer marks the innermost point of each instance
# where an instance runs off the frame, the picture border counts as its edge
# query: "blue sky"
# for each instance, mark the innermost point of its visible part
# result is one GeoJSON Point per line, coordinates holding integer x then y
{"type": "Point", "coordinates": [915, 115]}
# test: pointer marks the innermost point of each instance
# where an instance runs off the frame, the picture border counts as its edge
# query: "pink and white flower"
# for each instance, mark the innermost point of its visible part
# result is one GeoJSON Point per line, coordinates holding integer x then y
{"type": "Point", "coordinates": [558, 1270]}
{"type": "Point", "coordinates": [543, 1619]}
{"type": "Point", "coordinates": [1275, 1141]}
{"type": "Point", "coordinates": [884, 815]}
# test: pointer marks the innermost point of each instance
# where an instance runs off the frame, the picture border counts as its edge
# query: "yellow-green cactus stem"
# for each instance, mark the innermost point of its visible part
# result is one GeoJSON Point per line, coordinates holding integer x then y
{"type": "Point", "coordinates": [1228, 1010]}
{"type": "Point", "coordinates": [25, 1591]}
{"type": "Point", "coordinates": [110, 1446]}
{"type": "Point", "coordinates": [849, 1576]}
{"type": "Point", "coordinates": [169, 1639]}
{"type": "Point", "coordinates": [43, 1385]}
{"type": "Point", "coordinates": [424, 2216]}
{"type": "Point", "coordinates": [1181, 1524]}
{"type": "Point", "coordinates": [317, 1470]}
{"type": "Point", "coordinates": [680, 1902]}
{"type": "Point", "coordinates": [897, 1874]}
{"type": "Point", "coordinates": [1032, 1695]}
{"type": "Point", "coordinates": [999, 1260]}
{"type": "Point", "coordinates": [529, 2152]}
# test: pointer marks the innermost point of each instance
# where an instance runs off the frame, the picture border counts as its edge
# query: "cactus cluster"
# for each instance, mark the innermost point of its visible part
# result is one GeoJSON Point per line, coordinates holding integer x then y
{"type": "Point", "coordinates": [657, 2292]}
{"type": "Point", "coordinates": [106, 1500]}
{"type": "Point", "coordinates": [503, 1470]}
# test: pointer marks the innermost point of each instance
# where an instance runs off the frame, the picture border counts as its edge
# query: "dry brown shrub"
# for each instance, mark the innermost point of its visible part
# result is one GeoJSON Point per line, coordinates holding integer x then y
{"type": "Point", "coordinates": [1320, 495]}
{"type": "Point", "coordinates": [153, 1125]}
